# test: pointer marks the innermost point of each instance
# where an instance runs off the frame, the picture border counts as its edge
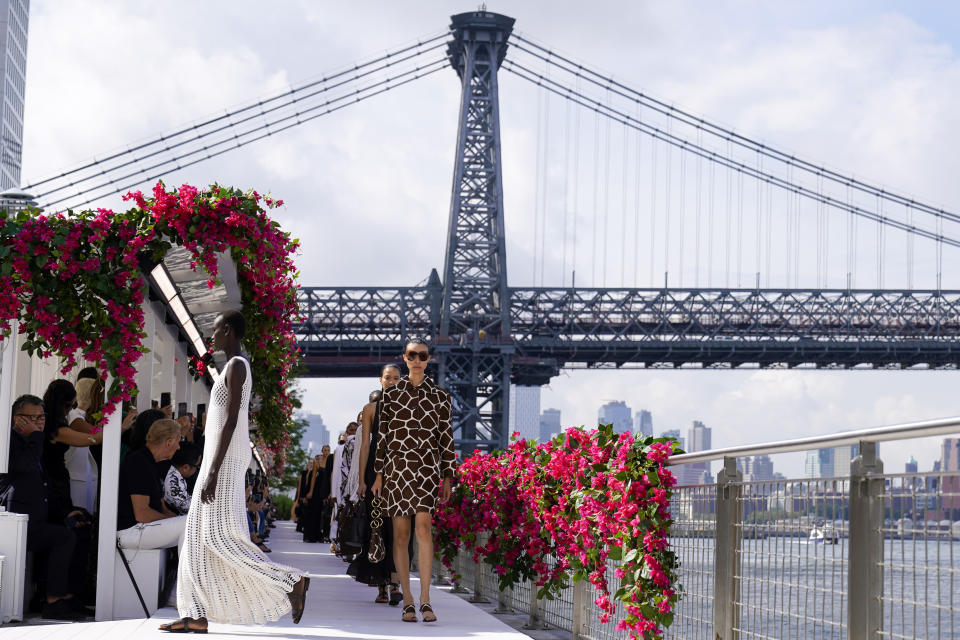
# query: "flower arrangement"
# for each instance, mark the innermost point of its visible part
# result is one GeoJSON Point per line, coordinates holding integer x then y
{"type": "Point", "coordinates": [584, 498]}
{"type": "Point", "coordinates": [76, 282]}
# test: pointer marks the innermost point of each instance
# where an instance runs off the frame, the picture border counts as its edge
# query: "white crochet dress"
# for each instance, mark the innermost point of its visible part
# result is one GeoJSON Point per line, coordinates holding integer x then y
{"type": "Point", "coordinates": [223, 576]}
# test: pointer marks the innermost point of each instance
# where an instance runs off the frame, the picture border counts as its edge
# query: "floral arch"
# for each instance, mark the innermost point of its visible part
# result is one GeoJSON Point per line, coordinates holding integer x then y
{"type": "Point", "coordinates": [76, 281]}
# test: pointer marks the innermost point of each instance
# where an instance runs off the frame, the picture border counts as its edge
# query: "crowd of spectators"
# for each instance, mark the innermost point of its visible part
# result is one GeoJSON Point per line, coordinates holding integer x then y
{"type": "Point", "coordinates": [54, 475]}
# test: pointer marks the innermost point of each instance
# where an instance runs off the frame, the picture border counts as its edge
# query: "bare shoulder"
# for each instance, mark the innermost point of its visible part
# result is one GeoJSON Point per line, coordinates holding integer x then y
{"type": "Point", "coordinates": [236, 371]}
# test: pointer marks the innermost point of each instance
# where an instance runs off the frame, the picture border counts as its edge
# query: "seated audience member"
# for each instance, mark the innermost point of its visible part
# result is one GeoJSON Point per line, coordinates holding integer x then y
{"type": "Point", "coordinates": [51, 520]}
{"type": "Point", "coordinates": [185, 463]}
{"type": "Point", "coordinates": [135, 438]}
{"type": "Point", "coordinates": [143, 520]}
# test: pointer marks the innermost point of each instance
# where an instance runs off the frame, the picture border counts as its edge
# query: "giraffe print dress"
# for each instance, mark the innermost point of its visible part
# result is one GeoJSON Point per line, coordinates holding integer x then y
{"type": "Point", "coordinates": [416, 449]}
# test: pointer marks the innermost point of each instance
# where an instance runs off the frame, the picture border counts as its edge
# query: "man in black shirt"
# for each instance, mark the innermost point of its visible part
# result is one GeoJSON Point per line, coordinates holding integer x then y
{"type": "Point", "coordinates": [47, 532]}
{"type": "Point", "coordinates": [143, 520]}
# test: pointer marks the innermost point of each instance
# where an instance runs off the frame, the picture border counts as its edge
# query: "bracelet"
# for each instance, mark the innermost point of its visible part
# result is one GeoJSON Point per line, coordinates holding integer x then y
{"type": "Point", "coordinates": [92, 440]}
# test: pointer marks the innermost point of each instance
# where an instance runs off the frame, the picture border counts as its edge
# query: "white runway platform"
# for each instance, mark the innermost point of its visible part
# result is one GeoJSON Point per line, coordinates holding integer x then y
{"type": "Point", "coordinates": [337, 607]}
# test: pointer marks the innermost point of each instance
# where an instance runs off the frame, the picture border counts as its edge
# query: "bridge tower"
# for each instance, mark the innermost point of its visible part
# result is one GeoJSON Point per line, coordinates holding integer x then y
{"type": "Point", "coordinates": [474, 346]}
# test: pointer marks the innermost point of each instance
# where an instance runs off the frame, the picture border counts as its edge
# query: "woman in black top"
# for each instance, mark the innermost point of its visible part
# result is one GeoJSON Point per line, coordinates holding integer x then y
{"type": "Point", "coordinates": [59, 436]}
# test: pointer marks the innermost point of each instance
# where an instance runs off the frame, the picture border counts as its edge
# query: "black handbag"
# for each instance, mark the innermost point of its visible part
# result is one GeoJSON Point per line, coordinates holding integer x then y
{"type": "Point", "coordinates": [357, 526]}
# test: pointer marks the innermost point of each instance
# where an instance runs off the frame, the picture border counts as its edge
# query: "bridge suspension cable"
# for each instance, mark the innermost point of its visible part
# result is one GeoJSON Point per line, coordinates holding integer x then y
{"type": "Point", "coordinates": [526, 45]}
{"type": "Point", "coordinates": [716, 158]}
{"type": "Point", "coordinates": [340, 89]}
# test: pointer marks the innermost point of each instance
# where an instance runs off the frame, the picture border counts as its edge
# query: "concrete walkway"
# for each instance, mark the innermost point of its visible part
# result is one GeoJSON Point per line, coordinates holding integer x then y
{"type": "Point", "coordinates": [337, 607]}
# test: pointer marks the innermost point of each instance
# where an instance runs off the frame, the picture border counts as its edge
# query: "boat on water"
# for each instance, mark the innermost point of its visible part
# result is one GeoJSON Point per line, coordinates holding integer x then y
{"type": "Point", "coordinates": [821, 534]}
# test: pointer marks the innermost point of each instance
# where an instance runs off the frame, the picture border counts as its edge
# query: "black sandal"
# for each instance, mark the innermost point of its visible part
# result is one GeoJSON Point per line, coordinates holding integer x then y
{"type": "Point", "coordinates": [183, 628]}
{"type": "Point", "coordinates": [396, 595]}
{"type": "Point", "coordinates": [382, 595]}
{"type": "Point", "coordinates": [425, 608]}
{"type": "Point", "coordinates": [298, 601]}
{"type": "Point", "coordinates": [409, 610]}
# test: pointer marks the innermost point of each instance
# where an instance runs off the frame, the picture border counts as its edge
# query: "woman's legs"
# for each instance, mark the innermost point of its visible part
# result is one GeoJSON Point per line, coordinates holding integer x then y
{"type": "Point", "coordinates": [424, 553]}
{"type": "Point", "coordinates": [401, 556]}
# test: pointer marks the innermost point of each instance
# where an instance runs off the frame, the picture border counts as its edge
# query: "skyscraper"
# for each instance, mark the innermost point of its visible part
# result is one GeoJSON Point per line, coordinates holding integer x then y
{"type": "Point", "coordinates": [757, 469]}
{"type": "Point", "coordinates": [675, 434]}
{"type": "Point", "coordinates": [699, 438]}
{"type": "Point", "coordinates": [950, 485]}
{"type": "Point", "coordinates": [643, 423]}
{"type": "Point", "coordinates": [316, 431]}
{"type": "Point", "coordinates": [819, 464]}
{"type": "Point", "coordinates": [549, 424]}
{"type": "Point", "coordinates": [13, 42]}
{"type": "Point", "coordinates": [842, 457]}
{"type": "Point", "coordinates": [617, 413]}
{"type": "Point", "coordinates": [911, 466]}
{"type": "Point", "coordinates": [525, 411]}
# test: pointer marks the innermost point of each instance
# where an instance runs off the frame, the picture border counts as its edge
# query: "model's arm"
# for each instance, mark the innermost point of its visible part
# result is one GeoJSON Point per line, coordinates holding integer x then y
{"type": "Point", "coordinates": [445, 442]}
{"type": "Point", "coordinates": [386, 415]}
{"type": "Point", "coordinates": [236, 375]}
{"type": "Point", "coordinates": [366, 426]}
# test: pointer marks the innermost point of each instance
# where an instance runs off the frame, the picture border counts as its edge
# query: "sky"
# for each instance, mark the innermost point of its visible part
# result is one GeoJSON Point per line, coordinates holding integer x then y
{"type": "Point", "coordinates": [868, 88]}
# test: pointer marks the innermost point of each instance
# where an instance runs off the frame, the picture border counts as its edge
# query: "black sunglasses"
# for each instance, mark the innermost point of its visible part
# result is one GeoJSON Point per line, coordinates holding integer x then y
{"type": "Point", "coordinates": [413, 355]}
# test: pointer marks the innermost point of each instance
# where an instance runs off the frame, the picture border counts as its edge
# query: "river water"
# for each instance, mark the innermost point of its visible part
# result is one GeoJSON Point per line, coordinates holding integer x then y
{"type": "Point", "coordinates": [792, 589]}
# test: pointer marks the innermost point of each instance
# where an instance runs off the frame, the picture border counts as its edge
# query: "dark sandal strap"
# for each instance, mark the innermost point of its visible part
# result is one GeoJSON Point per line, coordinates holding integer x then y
{"type": "Point", "coordinates": [409, 610]}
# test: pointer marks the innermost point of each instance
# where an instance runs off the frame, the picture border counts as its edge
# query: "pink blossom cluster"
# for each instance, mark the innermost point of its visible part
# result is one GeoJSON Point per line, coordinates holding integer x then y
{"type": "Point", "coordinates": [587, 498]}
{"type": "Point", "coordinates": [75, 281]}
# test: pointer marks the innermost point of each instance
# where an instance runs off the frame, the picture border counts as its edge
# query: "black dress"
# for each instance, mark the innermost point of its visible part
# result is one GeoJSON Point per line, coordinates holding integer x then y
{"type": "Point", "coordinates": [361, 569]}
{"type": "Point", "coordinates": [61, 505]}
{"type": "Point", "coordinates": [302, 489]}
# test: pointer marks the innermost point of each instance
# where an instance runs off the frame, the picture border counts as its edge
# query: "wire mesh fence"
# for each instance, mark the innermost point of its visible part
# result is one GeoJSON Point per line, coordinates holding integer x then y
{"type": "Point", "coordinates": [694, 527]}
{"type": "Point", "coordinates": [921, 556]}
{"type": "Point", "coordinates": [793, 559]}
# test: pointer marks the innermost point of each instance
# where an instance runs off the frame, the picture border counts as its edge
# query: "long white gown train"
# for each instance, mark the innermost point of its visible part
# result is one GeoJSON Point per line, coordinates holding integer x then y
{"type": "Point", "coordinates": [222, 575]}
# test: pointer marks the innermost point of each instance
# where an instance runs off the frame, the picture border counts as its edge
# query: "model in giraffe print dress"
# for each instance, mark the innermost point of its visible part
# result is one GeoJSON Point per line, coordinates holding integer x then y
{"type": "Point", "coordinates": [417, 446]}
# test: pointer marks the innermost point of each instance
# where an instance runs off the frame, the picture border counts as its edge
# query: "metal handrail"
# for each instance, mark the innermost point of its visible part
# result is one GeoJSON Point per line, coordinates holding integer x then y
{"type": "Point", "coordinates": [922, 429]}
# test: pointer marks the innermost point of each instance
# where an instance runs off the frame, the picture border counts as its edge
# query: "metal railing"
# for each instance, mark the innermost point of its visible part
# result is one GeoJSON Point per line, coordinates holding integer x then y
{"type": "Point", "coordinates": [866, 556]}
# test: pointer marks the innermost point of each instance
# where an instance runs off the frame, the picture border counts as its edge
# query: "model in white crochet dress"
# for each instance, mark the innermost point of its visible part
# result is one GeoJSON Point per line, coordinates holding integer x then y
{"type": "Point", "coordinates": [223, 576]}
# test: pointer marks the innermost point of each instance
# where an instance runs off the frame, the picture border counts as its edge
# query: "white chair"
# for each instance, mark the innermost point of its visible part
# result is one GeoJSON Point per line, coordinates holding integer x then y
{"type": "Point", "coordinates": [13, 549]}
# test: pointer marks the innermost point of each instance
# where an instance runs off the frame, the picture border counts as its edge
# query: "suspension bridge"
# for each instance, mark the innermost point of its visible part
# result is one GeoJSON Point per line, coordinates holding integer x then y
{"type": "Point", "coordinates": [716, 233]}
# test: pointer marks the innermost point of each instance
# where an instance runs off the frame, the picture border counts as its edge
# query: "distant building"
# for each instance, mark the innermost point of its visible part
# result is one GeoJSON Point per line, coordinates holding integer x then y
{"type": "Point", "coordinates": [617, 413]}
{"type": "Point", "coordinates": [13, 47]}
{"type": "Point", "coordinates": [525, 411]}
{"type": "Point", "coordinates": [674, 434]}
{"type": "Point", "coordinates": [950, 485]}
{"type": "Point", "coordinates": [699, 438]}
{"type": "Point", "coordinates": [911, 466]}
{"type": "Point", "coordinates": [842, 457]}
{"type": "Point", "coordinates": [316, 432]}
{"type": "Point", "coordinates": [550, 424]}
{"type": "Point", "coordinates": [819, 464]}
{"type": "Point", "coordinates": [757, 469]}
{"type": "Point", "coordinates": [643, 423]}
{"type": "Point", "coordinates": [950, 455]}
